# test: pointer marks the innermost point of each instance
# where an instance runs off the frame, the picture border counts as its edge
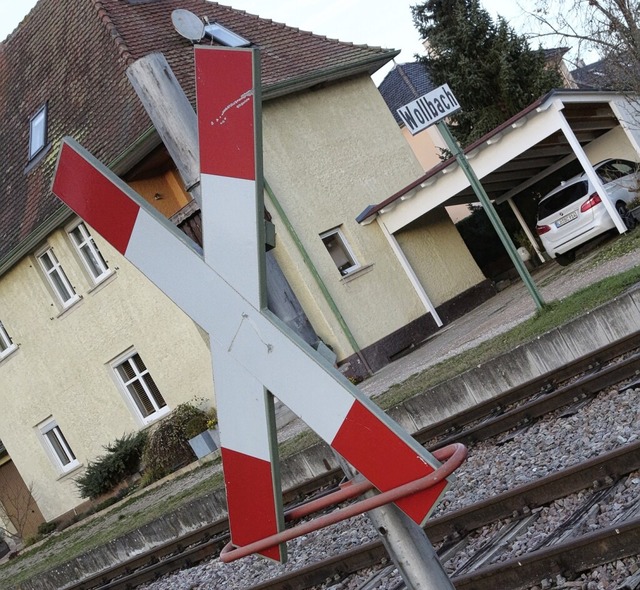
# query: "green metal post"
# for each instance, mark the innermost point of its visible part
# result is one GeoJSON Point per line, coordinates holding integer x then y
{"type": "Point", "coordinates": [477, 187]}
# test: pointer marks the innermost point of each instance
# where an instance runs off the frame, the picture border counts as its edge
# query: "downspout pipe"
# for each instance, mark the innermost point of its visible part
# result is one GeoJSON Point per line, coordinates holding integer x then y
{"type": "Point", "coordinates": [316, 276]}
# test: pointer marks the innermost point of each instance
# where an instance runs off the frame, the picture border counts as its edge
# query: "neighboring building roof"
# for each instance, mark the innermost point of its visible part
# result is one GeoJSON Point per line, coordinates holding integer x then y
{"type": "Point", "coordinates": [404, 83]}
{"type": "Point", "coordinates": [72, 55]}
{"type": "Point", "coordinates": [592, 76]}
{"type": "Point", "coordinates": [554, 53]}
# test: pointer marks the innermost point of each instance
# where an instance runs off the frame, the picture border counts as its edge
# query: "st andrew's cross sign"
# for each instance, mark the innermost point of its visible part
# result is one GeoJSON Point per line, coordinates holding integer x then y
{"type": "Point", "coordinates": [222, 289]}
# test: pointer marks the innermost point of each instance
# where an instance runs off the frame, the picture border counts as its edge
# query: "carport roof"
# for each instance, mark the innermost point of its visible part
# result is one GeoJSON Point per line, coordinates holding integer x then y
{"type": "Point", "coordinates": [537, 146]}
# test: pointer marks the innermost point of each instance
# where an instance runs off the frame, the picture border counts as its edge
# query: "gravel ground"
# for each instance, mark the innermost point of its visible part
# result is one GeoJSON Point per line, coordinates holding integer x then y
{"type": "Point", "coordinates": [609, 421]}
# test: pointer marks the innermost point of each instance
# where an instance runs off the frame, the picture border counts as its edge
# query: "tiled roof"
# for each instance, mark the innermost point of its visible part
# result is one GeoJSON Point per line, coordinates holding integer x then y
{"type": "Point", "coordinates": [593, 76]}
{"type": "Point", "coordinates": [405, 83]}
{"type": "Point", "coordinates": [72, 55]}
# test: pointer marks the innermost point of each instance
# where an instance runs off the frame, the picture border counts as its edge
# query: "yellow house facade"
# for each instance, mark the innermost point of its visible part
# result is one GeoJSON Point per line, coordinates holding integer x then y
{"type": "Point", "coordinates": [70, 372]}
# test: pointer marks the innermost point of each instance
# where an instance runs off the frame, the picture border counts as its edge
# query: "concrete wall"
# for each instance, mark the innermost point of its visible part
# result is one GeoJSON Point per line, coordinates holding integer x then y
{"type": "Point", "coordinates": [613, 144]}
{"type": "Point", "coordinates": [436, 252]}
{"type": "Point", "coordinates": [61, 368]}
{"type": "Point", "coordinates": [328, 153]}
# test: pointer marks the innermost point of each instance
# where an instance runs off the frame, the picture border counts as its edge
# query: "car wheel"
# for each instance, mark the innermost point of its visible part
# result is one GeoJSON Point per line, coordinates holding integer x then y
{"type": "Point", "coordinates": [566, 258]}
{"type": "Point", "coordinates": [627, 217]}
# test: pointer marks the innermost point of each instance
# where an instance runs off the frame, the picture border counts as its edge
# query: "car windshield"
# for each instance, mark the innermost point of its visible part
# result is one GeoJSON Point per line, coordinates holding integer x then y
{"type": "Point", "coordinates": [566, 196]}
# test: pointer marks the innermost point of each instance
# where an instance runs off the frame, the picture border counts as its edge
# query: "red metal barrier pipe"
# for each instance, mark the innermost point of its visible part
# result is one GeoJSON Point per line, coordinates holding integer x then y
{"type": "Point", "coordinates": [353, 490]}
{"type": "Point", "coordinates": [453, 455]}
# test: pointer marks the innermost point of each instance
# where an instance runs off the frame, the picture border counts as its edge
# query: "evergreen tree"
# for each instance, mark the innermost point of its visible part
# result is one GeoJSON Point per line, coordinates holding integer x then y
{"type": "Point", "coordinates": [492, 71]}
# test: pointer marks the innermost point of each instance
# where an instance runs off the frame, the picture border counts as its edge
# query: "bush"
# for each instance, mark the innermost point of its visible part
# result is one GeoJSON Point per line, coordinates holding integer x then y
{"type": "Point", "coordinates": [167, 448]}
{"type": "Point", "coordinates": [105, 473]}
{"type": "Point", "coordinates": [45, 528]}
{"type": "Point", "coordinates": [483, 241]}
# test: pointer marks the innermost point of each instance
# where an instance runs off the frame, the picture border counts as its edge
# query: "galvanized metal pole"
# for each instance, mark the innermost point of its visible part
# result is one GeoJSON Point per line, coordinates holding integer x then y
{"type": "Point", "coordinates": [477, 187]}
{"type": "Point", "coordinates": [407, 545]}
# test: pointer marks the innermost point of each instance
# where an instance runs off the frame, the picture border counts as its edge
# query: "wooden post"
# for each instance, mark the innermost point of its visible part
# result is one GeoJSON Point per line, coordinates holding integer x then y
{"type": "Point", "coordinates": [171, 114]}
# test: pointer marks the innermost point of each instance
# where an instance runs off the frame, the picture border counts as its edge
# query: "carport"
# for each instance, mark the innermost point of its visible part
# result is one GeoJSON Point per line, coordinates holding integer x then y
{"type": "Point", "coordinates": [554, 138]}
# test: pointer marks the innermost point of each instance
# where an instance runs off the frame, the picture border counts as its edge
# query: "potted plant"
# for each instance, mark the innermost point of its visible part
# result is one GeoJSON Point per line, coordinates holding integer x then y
{"type": "Point", "coordinates": [202, 433]}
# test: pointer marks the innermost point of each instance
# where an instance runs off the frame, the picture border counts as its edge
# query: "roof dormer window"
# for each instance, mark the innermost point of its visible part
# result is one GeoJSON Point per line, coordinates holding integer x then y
{"type": "Point", "coordinates": [225, 36]}
{"type": "Point", "coordinates": [38, 132]}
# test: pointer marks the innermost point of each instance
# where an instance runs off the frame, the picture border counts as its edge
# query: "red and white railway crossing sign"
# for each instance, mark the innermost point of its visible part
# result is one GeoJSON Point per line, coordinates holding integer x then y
{"type": "Point", "coordinates": [222, 290]}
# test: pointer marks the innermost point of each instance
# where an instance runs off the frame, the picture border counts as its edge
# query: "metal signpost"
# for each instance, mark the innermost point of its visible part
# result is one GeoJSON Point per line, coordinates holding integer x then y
{"type": "Point", "coordinates": [433, 108]}
{"type": "Point", "coordinates": [253, 353]}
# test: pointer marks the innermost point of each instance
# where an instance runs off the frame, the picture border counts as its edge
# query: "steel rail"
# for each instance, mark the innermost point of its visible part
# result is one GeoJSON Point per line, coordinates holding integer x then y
{"type": "Point", "coordinates": [568, 559]}
{"type": "Point", "coordinates": [581, 389]}
{"type": "Point", "coordinates": [544, 383]}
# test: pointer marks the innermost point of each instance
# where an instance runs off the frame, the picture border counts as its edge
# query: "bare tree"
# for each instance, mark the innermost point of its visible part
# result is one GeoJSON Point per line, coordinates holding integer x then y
{"type": "Point", "coordinates": [611, 28]}
{"type": "Point", "coordinates": [17, 507]}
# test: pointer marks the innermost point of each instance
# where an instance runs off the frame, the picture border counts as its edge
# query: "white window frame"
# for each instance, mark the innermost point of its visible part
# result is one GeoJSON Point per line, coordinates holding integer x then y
{"type": "Point", "coordinates": [57, 446]}
{"type": "Point", "coordinates": [141, 378]}
{"type": "Point", "coordinates": [38, 132]}
{"type": "Point", "coordinates": [62, 281]}
{"type": "Point", "coordinates": [337, 233]}
{"type": "Point", "coordinates": [7, 345]}
{"type": "Point", "coordinates": [88, 251]}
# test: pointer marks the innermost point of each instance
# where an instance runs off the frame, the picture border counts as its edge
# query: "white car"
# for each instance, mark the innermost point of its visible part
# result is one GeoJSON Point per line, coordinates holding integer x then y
{"type": "Point", "coordinates": [574, 213]}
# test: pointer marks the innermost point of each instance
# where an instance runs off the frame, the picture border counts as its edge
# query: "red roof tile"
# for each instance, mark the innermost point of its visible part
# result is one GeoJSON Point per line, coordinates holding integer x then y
{"type": "Point", "coordinates": [72, 55]}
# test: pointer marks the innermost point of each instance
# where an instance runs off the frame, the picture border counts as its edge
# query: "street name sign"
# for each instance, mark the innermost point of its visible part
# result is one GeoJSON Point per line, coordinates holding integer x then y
{"type": "Point", "coordinates": [429, 109]}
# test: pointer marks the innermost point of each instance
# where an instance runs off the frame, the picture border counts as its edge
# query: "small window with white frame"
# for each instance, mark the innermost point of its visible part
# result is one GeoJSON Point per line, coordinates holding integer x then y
{"type": "Point", "coordinates": [140, 388]}
{"type": "Point", "coordinates": [341, 254]}
{"type": "Point", "coordinates": [38, 132]}
{"type": "Point", "coordinates": [57, 278]}
{"type": "Point", "coordinates": [57, 446]}
{"type": "Point", "coordinates": [89, 253]}
{"type": "Point", "coordinates": [6, 344]}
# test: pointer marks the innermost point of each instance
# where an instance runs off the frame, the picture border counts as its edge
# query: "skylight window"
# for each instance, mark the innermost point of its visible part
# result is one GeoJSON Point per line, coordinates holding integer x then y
{"type": "Point", "coordinates": [225, 36]}
{"type": "Point", "coordinates": [38, 132]}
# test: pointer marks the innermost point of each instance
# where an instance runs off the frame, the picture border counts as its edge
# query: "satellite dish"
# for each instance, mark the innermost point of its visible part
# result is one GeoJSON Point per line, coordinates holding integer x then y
{"type": "Point", "coordinates": [188, 24]}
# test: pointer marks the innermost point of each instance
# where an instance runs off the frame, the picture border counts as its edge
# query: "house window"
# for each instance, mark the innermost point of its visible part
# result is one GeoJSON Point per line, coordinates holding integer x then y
{"type": "Point", "coordinates": [57, 278]}
{"type": "Point", "coordinates": [38, 132]}
{"type": "Point", "coordinates": [57, 445]}
{"type": "Point", "coordinates": [140, 387]}
{"type": "Point", "coordinates": [89, 253]}
{"type": "Point", "coordinates": [340, 252]}
{"type": "Point", "coordinates": [225, 36]}
{"type": "Point", "coordinates": [6, 345]}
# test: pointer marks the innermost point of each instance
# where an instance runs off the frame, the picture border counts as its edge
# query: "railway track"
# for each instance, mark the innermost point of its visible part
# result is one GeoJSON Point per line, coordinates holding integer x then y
{"type": "Point", "coordinates": [452, 528]}
{"type": "Point", "coordinates": [516, 408]}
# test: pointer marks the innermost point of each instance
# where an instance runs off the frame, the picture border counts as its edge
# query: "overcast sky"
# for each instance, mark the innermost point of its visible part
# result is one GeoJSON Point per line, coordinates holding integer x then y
{"type": "Point", "coordinates": [383, 23]}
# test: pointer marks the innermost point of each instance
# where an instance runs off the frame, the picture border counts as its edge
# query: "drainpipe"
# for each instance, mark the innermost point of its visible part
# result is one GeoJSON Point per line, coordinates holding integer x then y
{"type": "Point", "coordinates": [316, 276]}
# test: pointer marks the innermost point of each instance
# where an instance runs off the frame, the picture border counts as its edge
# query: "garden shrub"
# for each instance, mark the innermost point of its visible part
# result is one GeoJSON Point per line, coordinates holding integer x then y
{"type": "Point", "coordinates": [105, 473]}
{"type": "Point", "coordinates": [168, 448]}
{"type": "Point", "coordinates": [46, 528]}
